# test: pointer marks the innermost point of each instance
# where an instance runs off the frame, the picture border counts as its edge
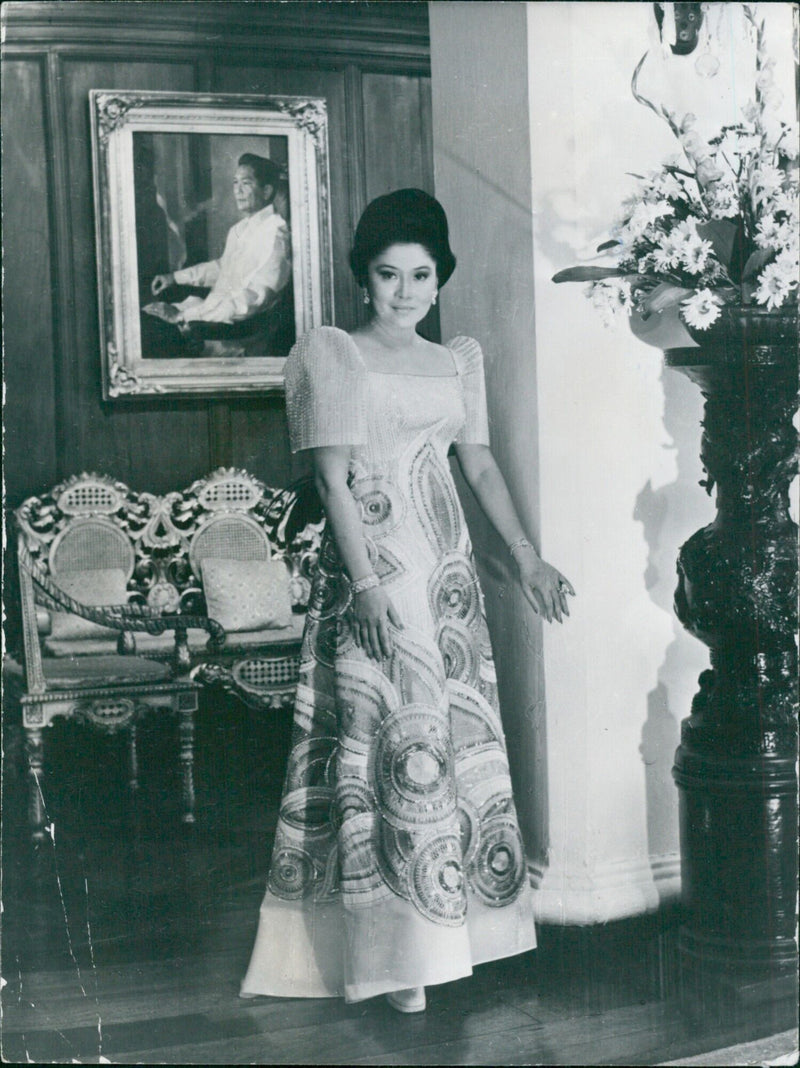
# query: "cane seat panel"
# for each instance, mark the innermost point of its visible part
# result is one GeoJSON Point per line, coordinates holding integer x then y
{"type": "Point", "coordinates": [163, 644]}
{"type": "Point", "coordinates": [86, 672]}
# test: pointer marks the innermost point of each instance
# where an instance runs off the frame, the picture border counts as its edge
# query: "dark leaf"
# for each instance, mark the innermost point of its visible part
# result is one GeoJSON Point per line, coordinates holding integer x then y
{"type": "Point", "coordinates": [608, 244]}
{"type": "Point", "coordinates": [724, 237]}
{"type": "Point", "coordinates": [664, 296]}
{"type": "Point", "coordinates": [758, 259]}
{"type": "Point", "coordinates": [672, 169]}
{"type": "Point", "coordinates": [588, 274]}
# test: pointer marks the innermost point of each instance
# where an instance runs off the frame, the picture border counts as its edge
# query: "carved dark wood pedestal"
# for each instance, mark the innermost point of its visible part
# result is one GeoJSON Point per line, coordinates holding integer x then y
{"type": "Point", "coordinates": [736, 765]}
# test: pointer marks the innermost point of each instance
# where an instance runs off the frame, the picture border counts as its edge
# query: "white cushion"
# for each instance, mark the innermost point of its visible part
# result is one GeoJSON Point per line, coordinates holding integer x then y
{"type": "Point", "coordinates": [247, 594]}
{"type": "Point", "coordinates": [95, 587]}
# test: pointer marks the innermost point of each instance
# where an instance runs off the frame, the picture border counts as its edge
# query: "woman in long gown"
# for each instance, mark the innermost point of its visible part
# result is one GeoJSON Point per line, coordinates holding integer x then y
{"type": "Point", "coordinates": [398, 861]}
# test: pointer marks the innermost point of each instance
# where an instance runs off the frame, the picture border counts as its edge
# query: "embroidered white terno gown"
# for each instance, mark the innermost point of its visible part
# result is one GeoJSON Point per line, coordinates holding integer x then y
{"type": "Point", "coordinates": [398, 860]}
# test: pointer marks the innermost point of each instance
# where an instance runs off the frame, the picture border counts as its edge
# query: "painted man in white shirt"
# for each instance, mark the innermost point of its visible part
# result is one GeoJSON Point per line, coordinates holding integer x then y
{"type": "Point", "coordinates": [254, 267]}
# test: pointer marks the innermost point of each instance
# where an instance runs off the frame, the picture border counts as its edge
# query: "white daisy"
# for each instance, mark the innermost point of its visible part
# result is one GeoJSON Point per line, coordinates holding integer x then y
{"type": "Point", "coordinates": [686, 229]}
{"type": "Point", "coordinates": [668, 252]}
{"type": "Point", "coordinates": [767, 232]}
{"type": "Point", "coordinates": [664, 184]}
{"type": "Point", "coordinates": [645, 214]}
{"type": "Point", "coordinates": [788, 202]}
{"type": "Point", "coordinates": [788, 264]}
{"type": "Point", "coordinates": [774, 286]}
{"type": "Point", "coordinates": [695, 253]}
{"type": "Point", "coordinates": [767, 180]}
{"type": "Point", "coordinates": [788, 237]}
{"type": "Point", "coordinates": [701, 309]}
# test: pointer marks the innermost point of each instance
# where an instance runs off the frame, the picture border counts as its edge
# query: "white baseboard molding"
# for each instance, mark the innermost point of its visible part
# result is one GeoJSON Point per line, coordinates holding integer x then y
{"type": "Point", "coordinates": [667, 876]}
{"type": "Point", "coordinates": [604, 891]}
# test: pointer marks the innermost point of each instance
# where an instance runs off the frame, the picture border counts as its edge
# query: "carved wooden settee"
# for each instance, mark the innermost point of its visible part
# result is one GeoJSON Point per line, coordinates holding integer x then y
{"type": "Point", "coordinates": [119, 591]}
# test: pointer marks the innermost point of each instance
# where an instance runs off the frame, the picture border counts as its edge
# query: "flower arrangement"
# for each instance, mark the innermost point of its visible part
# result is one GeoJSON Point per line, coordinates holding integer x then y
{"type": "Point", "coordinates": [715, 227]}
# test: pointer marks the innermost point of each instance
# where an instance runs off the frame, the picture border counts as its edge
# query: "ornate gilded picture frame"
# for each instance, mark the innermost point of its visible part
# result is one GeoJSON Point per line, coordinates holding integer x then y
{"type": "Point", "coordinates": [213, 238]}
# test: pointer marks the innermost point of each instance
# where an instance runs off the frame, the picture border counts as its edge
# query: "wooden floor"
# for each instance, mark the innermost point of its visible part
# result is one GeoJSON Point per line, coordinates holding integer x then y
{"type": "Point", "coordinates": [125, 939]}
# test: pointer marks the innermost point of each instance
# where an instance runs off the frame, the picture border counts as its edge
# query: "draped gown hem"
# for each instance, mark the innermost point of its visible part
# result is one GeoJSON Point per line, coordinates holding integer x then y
{"type": "Point", "coordinates": [301, 948]}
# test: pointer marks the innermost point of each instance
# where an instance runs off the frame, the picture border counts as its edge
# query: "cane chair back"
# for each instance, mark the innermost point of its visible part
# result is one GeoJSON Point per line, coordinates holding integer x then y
{"type": "Point", "coordinates": [235, 536]}
{"type": "Point", "coordinates": [229, 530]}
{"type": "Point", "coordinates": [86, 545]}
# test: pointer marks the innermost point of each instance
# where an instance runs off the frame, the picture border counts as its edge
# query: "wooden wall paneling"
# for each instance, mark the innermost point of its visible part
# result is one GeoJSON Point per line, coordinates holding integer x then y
{"type": "Point", "coordinates": [356, 168]}
{"type": "Point", "coordinates": [395, 131]}
{"type": "Point", "coordinates": [76, 295]}
{"type": "Point", "coordinates": [426, 129]}
{"type": "Point", "coordinates": [305, 32]}
{"type": "Point", "coordinates": [302, 48]}
{"type": "Point", "coordinates": [155, 443]}
{"type": "Point", "coordinates": [30, 413]}
{"type": "Point", "coordinates": [259, 438]}
{"type": "Point", "coordinates": [399, 145]}
{"type": "Point", "coordinates": [430, 326]}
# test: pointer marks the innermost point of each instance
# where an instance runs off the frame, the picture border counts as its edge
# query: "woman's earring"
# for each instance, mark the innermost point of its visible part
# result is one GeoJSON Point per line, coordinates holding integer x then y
{"type": "Point", "coordinates": [435, 295]}
{"type": "Point", "coordinates": [366, 296]}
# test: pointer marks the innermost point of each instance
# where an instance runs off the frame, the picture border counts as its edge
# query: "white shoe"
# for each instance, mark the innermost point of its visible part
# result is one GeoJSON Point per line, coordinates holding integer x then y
{"type": "Point", "coordinates": [411, 999]}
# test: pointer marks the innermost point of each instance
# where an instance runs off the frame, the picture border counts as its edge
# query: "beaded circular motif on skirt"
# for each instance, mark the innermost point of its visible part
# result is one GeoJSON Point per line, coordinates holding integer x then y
{"type": "Point", "coordinates": [459, 651]}
{"type": "Point", "coordinates": [308, 809]}
{"type": "Point", "coordinates": [329, 638]}
{"type": "Point", "coordinates": [413, 767]}
{"type": "Point", "coordinates": [497, 873]}
{"type": "Point", "coordinates": [361, 881]}
{"type": "Point", "coordinates": [437, 880]}
{"type": "Point", "coordinates": [453, 589]}
{"type": "Point", "coordinates": [383, 507]}
{"type": "Point", "coordinates": [330, 595]}
{"type": "Point", "coordinates": [291, 873]}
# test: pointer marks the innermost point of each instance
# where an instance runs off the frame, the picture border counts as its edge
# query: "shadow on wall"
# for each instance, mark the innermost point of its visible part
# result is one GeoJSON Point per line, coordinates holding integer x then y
{"type": "Point", "coordinates": [669, 515]}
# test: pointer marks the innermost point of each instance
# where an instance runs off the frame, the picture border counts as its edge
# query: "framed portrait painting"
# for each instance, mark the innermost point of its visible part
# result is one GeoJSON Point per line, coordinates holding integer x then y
{"type": "Point", "coordinates": [213, 238]}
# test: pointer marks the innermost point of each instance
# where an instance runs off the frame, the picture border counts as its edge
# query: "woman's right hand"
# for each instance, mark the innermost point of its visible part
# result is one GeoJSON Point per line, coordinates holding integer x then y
{"type": "Point", "coordinates": [161, 282]}
{"type": "Point", "coordinates": [373, 617]}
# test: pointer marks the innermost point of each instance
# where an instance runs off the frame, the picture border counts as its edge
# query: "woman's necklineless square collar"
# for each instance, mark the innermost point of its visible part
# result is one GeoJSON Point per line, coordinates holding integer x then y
{"type": "Point", "coordinates": [406, 374]}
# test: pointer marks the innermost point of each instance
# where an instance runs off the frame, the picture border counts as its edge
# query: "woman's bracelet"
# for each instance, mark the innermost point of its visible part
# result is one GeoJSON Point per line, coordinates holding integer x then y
{"type": "Point", "coordinates": [520, 543]}
{"type": "Point", "coordinates": [368, 582]}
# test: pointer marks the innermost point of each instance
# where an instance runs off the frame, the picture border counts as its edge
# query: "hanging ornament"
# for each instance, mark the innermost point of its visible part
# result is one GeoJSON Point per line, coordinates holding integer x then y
{"type": "Point", "coordinates": [707, 63]}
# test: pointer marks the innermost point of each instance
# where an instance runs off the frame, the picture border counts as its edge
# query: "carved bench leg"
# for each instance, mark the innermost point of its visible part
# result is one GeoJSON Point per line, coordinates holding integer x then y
{"type": "Point", "coordinates": [186, 734]}
{"type": "Point", "coordinates": [34, 751]}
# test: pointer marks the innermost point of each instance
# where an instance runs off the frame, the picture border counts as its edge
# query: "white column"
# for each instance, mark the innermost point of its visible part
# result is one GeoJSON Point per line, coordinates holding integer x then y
{"type": "Point", "coordinates": [482, 173]}
{"type": "Point", "coordinates": [534, 128]}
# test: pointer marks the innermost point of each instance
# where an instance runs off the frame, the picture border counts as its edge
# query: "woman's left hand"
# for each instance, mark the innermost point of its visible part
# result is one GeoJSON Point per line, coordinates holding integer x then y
{"type": "Point", "coordinates": [545, 588]}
